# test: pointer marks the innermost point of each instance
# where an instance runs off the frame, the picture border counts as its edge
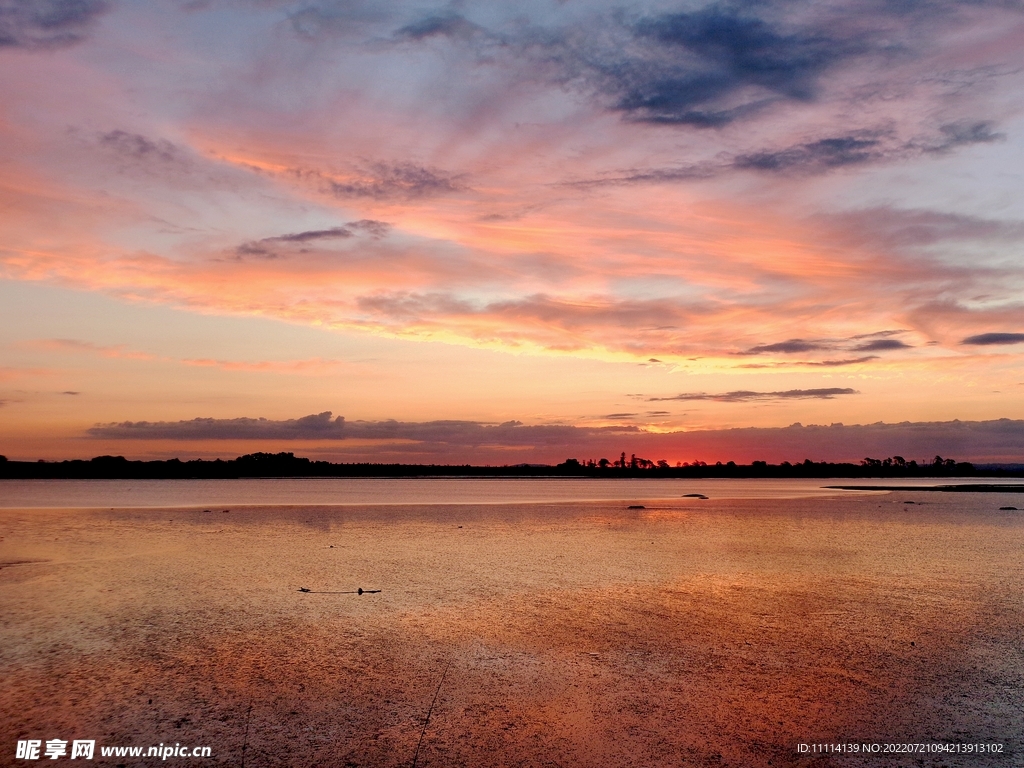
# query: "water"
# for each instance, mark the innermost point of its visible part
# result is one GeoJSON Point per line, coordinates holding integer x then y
{"type": "Point", "coordinates": [569, 629]}
{"type": "Point", "coordinates": [323, 491]}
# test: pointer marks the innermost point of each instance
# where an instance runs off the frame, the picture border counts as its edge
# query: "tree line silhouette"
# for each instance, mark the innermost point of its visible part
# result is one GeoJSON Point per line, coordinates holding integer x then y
{"type": "Point", "coordinates": [289, 465]}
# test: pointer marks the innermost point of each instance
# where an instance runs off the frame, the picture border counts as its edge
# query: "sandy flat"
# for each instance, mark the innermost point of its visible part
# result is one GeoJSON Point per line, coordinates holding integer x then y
{"type": "Point", "coordinates": [718, 632]}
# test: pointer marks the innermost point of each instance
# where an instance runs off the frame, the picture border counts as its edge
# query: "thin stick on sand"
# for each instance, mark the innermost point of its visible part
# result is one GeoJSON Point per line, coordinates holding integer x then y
{"type": "Point", "coordinates": [426, 722]}
{"type": "Point", "coordinates": [245, 739]}
{"type": "Point", "coordinates": [359, 591]}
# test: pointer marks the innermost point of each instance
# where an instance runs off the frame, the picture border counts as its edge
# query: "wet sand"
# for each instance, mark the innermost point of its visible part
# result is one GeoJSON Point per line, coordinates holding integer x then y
{"type": "Point", "coordinates": [704, 633]}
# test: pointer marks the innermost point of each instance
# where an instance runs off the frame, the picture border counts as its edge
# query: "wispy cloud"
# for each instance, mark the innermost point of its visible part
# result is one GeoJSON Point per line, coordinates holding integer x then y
{"type": "Point", "coordinates": [139, 147]}
{"type": "Point", "coordinates": [859, 343]}
{"type": "Point", "coordinates": [881, 345]}
{"type": "Point", "coordinates": [744, 396]}
{"type": "Point", "coordinates": [831, 152]}
{"type": "Point", "coordinates": [265, 248]}
{"type": "Point", "coordinates": [814, 157]}
{"type": "Point", "coordinates": [386, 180]}
{"type": "Point", "coordinates": [812, 363]}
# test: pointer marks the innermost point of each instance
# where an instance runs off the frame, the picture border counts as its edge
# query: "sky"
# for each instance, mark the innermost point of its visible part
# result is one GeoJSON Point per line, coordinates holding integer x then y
{"type": "Point", "coordinates": [508, 233]}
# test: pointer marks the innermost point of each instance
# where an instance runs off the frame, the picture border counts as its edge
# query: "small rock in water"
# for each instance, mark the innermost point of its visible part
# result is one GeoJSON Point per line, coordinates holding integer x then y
{"type": "Point", "coordinates": [636, 506]}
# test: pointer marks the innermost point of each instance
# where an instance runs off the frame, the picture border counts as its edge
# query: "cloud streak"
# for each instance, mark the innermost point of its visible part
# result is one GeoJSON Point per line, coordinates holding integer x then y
{"type": "Point", "coordinates": [745, 396]}
{"type": "Point", "coordinates": [990, 339]}
{"type": "Point", "coordinates": [387, 180]}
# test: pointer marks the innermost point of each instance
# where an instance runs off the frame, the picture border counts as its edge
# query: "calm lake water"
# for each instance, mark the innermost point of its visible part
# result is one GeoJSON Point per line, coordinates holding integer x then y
{"type": "Point", "coordinates": [321, 491]}
{"type": "Point", "coordinates": [547, 622]}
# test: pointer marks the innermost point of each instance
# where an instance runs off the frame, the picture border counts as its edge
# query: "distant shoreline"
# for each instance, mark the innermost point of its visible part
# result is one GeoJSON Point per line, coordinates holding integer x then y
{"type": "Point", "coordinates": [287, 465]}
{"type": "Point", "coordinates": [960, 488]}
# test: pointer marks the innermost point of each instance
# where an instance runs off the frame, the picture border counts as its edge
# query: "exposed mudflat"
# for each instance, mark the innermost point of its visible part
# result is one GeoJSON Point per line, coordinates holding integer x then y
{"type": "Point", "coordinates": [702, 632]}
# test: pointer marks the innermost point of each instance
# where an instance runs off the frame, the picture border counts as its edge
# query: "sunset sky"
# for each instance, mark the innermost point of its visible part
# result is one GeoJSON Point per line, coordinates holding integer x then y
{"type": "Point", "coordinates": [512, 232]}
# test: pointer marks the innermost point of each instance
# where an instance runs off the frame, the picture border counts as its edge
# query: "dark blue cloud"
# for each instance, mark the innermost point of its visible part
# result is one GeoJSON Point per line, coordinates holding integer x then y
{"type": "Point", "coordinates": [694, 62]}
{"type": "Point", "coordinates": [987, 339]}
{"type": "Point", "coordinates": [746, 49]}
{"type": "Point", "coordinates": [46, 23]}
